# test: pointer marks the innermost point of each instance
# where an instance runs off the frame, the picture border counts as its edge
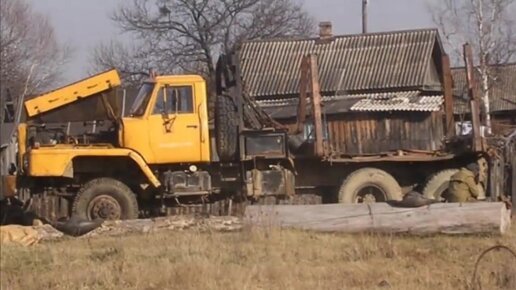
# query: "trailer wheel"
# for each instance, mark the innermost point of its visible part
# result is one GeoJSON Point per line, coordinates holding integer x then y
{"type": "Point", "coordinates": [107, 199]}
{"type": "Point", "coordinates": [226, 128]}
{"type": "Point", "coordinates": [437, 185]}
{"type": "Point", "coordinates": [368, 185]}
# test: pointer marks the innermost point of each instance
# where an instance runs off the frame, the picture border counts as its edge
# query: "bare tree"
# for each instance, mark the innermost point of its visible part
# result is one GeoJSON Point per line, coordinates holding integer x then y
{"type": "Point", "coordinates": [186, 35]}
{"type": "Point", "coordinates": [131, 62]}
{"type": "Point", "coordinates": [31, 57]}
{"type": "Point", "coordinates": [488, 26]}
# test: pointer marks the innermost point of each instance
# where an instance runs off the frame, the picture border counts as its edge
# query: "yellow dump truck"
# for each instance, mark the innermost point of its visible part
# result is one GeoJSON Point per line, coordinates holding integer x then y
{"type": "Point", "coordinates": [161, 155]}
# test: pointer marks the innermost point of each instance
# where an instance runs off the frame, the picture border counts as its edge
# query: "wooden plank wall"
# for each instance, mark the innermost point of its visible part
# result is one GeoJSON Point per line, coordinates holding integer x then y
{"type": "Point", "coordinates": [379, 132]}
{"type": "Point", "coordinates": [503, 123]}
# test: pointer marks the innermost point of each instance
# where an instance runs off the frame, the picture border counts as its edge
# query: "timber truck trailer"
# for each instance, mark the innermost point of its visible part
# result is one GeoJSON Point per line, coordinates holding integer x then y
{"type": "Point", "coordinates": [165, 157]}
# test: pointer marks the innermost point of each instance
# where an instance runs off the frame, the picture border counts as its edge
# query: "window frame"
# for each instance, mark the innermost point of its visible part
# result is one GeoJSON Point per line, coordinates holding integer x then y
{"type": "Point", "coordinates": [168, 88]}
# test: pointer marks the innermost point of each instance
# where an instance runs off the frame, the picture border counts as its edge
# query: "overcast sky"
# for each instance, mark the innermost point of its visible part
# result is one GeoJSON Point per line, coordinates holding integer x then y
{"type": "Point", "coordinates": [83, 24]}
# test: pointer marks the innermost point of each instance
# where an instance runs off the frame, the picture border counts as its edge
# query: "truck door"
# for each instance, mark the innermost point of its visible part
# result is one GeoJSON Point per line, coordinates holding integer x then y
{"type": "Point", "coordinates": [174, 126]}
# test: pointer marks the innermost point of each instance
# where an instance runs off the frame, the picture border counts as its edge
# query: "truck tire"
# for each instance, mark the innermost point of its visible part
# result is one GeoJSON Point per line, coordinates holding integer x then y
{"type": "Point", "coordinates": [105, 198]}
{"type": "Point", "coordinates": [436, 186]}
{"type": "Point", "coordinates": [369, 185]}
{"type": "Point", "coordinates": [226, 128]}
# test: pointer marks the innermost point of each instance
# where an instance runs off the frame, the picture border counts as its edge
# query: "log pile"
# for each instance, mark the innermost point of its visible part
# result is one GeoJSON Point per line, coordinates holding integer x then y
{"type": "Point", "coordinates": [31, 235]}
{"type": "Point", "coordinates": [117, 228]}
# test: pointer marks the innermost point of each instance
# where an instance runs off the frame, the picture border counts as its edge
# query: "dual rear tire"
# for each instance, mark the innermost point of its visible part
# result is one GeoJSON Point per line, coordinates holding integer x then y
{"type": "Point", "coordinates": [369, 185]}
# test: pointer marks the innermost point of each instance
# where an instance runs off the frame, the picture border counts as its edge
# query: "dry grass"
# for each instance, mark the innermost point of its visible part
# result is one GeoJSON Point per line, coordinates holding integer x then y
{"type": "Point", "coordinates": [259, 259]}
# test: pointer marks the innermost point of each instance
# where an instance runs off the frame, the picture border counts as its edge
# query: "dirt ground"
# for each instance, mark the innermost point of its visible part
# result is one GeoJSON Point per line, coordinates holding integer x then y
{"type": "Point", "coordinates": [259, 259]}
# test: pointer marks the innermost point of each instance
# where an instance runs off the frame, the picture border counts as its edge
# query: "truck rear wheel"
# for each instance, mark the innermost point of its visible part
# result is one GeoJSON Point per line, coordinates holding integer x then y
{"type": "Point", "coordinates": [437, 185]}
{"type": "Point", "coordinates": [368, 185]}
{"type": "Point", "coordinates": [226, 128]}
{"type": "Point", "coordinates": [107, 199]}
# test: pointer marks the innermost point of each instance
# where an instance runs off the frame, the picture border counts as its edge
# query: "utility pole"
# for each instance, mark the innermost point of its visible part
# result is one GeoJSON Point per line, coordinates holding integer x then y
{"type": "Point", "coordinates": [2, 116]}
{"type": "Point", "coordinates": [474, 100]}
{"type": "Point", "coordinates": [364, 16]}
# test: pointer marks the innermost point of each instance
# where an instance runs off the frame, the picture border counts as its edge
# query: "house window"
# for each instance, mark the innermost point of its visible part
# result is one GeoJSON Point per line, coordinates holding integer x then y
{"type": "Point", "coordinates": [309, 130]}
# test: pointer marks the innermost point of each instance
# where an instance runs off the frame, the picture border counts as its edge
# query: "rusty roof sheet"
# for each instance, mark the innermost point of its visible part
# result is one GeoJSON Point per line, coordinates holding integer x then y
{"type": "Point", "coordinates": [502, 91]}
{"type": "Point", "coordinates": [370, 61]}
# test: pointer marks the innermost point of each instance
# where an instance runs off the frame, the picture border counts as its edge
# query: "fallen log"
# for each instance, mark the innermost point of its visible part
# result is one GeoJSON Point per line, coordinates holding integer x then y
{"type": "Point", "coordinates": [448, 218]}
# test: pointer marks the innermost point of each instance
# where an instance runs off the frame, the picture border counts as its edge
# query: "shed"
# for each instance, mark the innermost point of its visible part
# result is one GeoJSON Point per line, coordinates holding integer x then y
{"type": "Point", "coordinates": [502, 95]}
{"type": "Point", "coordinates": [381, 92]}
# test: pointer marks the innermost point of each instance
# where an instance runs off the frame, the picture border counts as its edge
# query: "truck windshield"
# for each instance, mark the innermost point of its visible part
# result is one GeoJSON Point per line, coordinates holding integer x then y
{"type": "Point", "coordinates": [142, 99]}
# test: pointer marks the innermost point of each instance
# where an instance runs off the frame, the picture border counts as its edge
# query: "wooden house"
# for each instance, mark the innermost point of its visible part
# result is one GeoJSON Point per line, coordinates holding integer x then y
{"type": "Point", "coordinates": [381, 92]}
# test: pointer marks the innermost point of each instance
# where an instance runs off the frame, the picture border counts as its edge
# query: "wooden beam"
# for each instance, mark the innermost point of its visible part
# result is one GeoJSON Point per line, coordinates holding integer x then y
{"type": "Point", "coordinates": [496, 177]}
{"type": "Point", "coordinates": [448, 97]}
{"type": "Point", "coordinates": [303, 85]}
{"type": "Point", "coordinates": [513, 191]}
{"type": "Point", "coordinates": [448, 218]}
{"type": "Point", "coordinates": [474, 108]}
{"type": "Point", "coordinates": [316, 105]}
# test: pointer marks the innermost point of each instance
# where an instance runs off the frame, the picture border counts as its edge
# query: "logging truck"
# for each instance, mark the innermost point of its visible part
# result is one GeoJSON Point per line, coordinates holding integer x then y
{"type": "Point", "coordinates": [169, 155]}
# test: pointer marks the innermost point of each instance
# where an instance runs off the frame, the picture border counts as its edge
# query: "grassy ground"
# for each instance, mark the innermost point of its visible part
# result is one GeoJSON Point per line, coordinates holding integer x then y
{"type": "Point", "coordinates": [265, 259]}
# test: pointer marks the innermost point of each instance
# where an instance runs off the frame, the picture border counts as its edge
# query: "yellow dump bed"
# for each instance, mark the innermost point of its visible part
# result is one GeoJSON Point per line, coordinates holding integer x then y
{"type": "Point", "coordinates": [71, 93]}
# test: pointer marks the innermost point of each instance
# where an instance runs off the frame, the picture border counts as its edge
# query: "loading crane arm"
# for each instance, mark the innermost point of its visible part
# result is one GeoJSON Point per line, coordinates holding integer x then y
{"type": "Point", "coordinates": [76, 101]}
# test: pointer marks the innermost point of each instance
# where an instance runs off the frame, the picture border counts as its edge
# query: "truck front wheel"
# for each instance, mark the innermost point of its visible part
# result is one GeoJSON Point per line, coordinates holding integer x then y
{"type": "Point", "coordinates": [107, 199]}
{"type": "Point", "coordinates": [368, 185]}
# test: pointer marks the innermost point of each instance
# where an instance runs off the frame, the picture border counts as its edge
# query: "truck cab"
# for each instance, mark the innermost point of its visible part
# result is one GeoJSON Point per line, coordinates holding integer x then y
{"type": "Point", "coordinates": [172, 112]}
{"type": "Point", "coordinates": [157, 158]}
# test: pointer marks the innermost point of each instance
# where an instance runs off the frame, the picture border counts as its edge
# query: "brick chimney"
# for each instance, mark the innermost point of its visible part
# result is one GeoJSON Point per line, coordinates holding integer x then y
{"type": "Point", "coordinates": [325, 30]}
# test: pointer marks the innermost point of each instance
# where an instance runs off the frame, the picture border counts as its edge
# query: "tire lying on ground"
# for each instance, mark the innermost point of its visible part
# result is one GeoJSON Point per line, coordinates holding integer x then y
{"type": "Point", "coordinates": [226, 128]}
{"type": "Point", "coordinates": [105, 198]}
{"type": "Point", "coordinates": [436, 186]}
{"type": "Point", "coordinates": [368, 185]}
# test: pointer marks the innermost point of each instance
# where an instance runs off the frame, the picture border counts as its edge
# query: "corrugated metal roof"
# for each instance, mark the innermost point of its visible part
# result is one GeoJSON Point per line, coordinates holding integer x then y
{"type": "Point", "coordinates": [502, 92]}
{"type": "Point", "coordinates": [371, 61]}
{"type": "Point", "coordinates": [404, 101]}
{"type": "Point", "coordinates": [391, 101]}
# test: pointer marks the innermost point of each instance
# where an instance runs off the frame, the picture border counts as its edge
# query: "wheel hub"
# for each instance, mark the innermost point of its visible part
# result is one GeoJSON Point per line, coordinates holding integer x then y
{"type": "Point", "coordinates": [104, 207]}
{"type": "Point", "coordinates": [370, 194]}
